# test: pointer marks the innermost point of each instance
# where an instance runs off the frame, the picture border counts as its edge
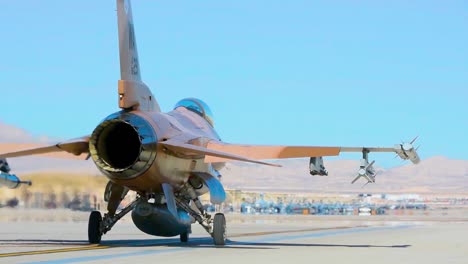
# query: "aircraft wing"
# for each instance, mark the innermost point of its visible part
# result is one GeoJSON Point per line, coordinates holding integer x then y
{"type": "Point", "coordinates": [270, 152]}
{"type": "Point", "coordinates": [189, 149]}
{"type": "Point", "coordinates": [75, 146]}
{"type": "Point", "coordinates": [405, 151]}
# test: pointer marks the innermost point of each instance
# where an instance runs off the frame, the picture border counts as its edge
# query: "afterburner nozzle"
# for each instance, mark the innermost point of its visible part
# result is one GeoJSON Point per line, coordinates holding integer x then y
{"type": "Point", "coordinates": [123, 146]}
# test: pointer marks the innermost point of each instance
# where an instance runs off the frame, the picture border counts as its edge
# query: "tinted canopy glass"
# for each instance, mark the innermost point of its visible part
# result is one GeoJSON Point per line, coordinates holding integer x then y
{"type": "Point", "coordinates": [197, 106]}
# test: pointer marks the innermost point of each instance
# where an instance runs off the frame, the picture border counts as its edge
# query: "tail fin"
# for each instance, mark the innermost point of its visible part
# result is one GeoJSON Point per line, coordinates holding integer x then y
{"type": "Point", "coordinates": [133, 93]}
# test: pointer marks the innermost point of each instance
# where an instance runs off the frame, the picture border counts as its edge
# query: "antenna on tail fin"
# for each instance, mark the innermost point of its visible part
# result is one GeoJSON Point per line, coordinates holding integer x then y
{"type": "Point", "coordinates": [133, 93]}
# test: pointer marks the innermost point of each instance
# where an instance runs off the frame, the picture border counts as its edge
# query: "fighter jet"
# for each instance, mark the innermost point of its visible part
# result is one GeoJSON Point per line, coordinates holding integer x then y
{"type": "Point", "coordinates": [169, 159]}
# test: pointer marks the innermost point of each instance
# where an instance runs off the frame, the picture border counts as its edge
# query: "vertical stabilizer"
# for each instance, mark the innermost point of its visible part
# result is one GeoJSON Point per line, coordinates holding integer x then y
{"type": "Point", "coordinates": [133, 93]}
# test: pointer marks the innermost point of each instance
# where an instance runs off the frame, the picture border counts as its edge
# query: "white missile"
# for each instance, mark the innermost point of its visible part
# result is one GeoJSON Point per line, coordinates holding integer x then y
{"type": "Point", "coordinates": [11, 181]}
{"type": "Point", "coordinates": [407, 151]}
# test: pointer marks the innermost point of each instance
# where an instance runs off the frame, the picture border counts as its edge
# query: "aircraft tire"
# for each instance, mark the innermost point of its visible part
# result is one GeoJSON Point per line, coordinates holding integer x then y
{"type": "Point", "coordinates": [94, 234]}
{"type": "Point", "coordinates": [219, 229]}
{"type": "Point", "coordinates": [184, 237]}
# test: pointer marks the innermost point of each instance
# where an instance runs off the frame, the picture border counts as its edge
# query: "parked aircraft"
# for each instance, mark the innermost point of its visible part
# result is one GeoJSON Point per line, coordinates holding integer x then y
{"type": "Point", "coordinates": [169, 159]}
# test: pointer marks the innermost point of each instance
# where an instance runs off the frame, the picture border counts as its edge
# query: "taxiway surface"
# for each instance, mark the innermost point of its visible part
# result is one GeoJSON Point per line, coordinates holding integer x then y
{"type": "Point", "coordinates": [298, 239]}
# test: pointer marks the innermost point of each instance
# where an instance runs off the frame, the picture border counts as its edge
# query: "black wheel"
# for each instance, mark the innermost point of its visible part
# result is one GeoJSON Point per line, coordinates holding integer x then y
{"type": "Point", "coordinates": [184, 237]}
{"type": "Point", "coordinates": [219, 229]}
{"type": "Point", "coordinates": [94, 234]}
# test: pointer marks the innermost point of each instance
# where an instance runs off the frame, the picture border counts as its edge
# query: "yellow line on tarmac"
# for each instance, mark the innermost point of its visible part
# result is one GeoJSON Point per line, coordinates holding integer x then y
{"type": "Point", "coordinates": [94, 247]}
{"type": "Point", "coordinates": [293, 231]}
{"type": "Point", "coordinates": [49, 251]}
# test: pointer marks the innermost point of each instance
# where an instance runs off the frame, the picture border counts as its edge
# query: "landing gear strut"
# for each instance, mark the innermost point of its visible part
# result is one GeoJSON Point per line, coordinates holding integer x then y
{"type": "Point", "coordinates": [216, 226]}
{"type": "Point", "coordinates": [98, 226]}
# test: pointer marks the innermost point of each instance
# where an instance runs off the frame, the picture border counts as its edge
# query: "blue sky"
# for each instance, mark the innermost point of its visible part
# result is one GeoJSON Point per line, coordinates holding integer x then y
{"type": "Point", "coordinates": [347, 73]}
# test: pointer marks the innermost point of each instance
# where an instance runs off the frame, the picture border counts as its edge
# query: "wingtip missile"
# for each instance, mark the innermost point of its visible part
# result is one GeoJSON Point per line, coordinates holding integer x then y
{"type": "Point", "coordinates": [12, 181]}
{"type": "Point", "coordinates": [407, 151]}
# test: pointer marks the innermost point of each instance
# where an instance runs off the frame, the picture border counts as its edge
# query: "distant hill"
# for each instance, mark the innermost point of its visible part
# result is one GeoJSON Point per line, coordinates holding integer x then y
{"type": "Point", "coordinates": [12, 134]}
{"type": "Point", "coordinates": [436, 174]}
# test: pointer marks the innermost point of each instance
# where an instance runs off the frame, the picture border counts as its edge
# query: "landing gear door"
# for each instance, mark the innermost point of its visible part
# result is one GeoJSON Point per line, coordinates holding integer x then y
{"type": "Point", "coordinates": [316, 167]}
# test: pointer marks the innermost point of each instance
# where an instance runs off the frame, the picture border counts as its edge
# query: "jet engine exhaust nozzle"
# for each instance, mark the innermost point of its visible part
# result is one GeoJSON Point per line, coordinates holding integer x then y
{"type": "Point", "coordinates": [123, 146]}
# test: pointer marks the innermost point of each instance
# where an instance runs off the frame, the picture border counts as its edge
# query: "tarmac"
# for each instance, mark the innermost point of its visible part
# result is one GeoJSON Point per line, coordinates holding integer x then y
{"type": "Point", "coordinates": [251, 239]}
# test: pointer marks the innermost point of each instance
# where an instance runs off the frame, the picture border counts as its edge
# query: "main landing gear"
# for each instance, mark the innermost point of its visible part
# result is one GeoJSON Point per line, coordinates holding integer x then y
{"type": "Point", "coordinates": [94, 227]}
{"type": "Point", "coordinates": [219, 229]}
{"type": "Point", "coordinates": [216, 226]}
{"type": "Point", "coordinates": [98, 225]}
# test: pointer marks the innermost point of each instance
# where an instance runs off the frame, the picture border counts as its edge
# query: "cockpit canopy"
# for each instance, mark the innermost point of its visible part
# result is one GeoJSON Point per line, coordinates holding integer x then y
{"type": "Point", "coordinates": [197, 106]}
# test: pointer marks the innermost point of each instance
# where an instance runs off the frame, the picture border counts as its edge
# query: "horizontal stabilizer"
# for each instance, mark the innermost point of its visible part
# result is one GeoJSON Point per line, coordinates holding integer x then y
{"type": "Point", "coordinates": [188, 149]}
{"type": "Point", "coordinates": [74, 146]}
